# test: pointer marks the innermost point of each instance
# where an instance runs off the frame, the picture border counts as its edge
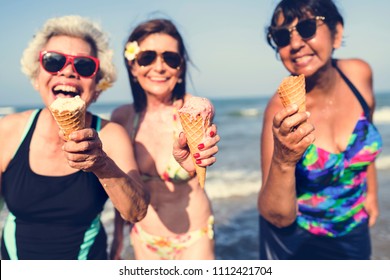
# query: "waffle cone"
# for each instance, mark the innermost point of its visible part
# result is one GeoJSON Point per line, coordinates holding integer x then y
{"type": "Point", "coordinates": [195, 130]}
{"type": "Point", "coordinates": [292, 91]}
{"type": "Point", "coordinates": [69, 115]}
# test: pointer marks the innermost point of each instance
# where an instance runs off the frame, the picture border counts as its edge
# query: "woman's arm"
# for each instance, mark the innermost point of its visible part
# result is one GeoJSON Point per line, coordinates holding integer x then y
{"type": "Point", "coordinates": [371, 204]}
{"type": "Point", "coordinates": [110, 157]}
{"type": "Point", "coordinates": [285, 136]}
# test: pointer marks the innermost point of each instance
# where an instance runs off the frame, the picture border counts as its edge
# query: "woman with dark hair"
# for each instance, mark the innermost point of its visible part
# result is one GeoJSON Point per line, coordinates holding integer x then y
{"type": "Point", "coordinates": [157, 26]}
{"type": "Point", "coordinates": [319, 190]}
{"type": "Point", "coordinates": [179, 222]}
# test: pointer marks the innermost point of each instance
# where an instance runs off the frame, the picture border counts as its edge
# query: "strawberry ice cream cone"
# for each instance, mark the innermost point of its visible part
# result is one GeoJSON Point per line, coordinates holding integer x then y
{"type": "Point", "coordinates": [195, 118]}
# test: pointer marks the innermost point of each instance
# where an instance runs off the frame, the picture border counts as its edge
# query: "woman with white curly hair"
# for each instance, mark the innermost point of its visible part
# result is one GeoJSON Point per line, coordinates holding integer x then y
{"type": "Point", "coordinates": [55, 189]}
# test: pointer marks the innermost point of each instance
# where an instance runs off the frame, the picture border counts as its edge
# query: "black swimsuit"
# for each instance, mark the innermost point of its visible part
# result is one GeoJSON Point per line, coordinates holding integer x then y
{"type": "Point", "coordinates": [51, 217]}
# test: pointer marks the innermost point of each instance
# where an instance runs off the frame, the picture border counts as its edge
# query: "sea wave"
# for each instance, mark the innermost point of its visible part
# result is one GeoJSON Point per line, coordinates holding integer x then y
{"type": "Point", "coordinates": [225, 184]}
{"type": "Point", "coordinates": [382, 115]}
{"type": "Point", "coordinates": [383, 162]}
{"type": "Point", "coordinates": [6, 110]}
{"type": "Point", "coordinates": [249, 112]}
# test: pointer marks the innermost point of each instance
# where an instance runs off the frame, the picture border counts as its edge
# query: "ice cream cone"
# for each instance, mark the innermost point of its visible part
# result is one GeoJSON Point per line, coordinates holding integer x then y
{"type": "Point", "coordinates": [292, 91]}
{"type": "Point", "coordinates": [196, 116]}
{"type": "Point", "coordinates": [195, 130]}
{"type": "Point", "coordinates": [69, 114]}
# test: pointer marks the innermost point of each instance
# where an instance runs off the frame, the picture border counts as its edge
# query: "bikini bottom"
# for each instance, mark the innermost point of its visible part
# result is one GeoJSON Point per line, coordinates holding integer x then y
{"type": "Point", "coordinates": [168, 248]}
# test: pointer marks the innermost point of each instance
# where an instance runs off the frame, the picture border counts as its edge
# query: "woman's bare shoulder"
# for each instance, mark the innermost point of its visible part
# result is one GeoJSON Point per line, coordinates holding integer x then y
{"type": "Point", "coordinates": [355, 66]}
{"type": "Point", "coordinates": [13, 123]}
{"type": "Point", "coordinates": [11, 131]}
{"type": "Point", "coordinates": [359, 72]}
{"type": "Point", "coordinates": [274, 105]}
{"type": "Point", "coordinates": [123, 114]}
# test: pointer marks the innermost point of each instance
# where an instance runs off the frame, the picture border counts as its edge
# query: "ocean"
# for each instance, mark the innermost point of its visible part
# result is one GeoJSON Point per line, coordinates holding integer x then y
{"type": "Point", "coordinates": [234, 180]}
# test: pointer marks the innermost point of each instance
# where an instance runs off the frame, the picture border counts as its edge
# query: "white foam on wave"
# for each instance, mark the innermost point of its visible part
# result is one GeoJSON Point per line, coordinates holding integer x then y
{"type": "Point", "coordinates": [6, 110]}
{"type": "Point", "coordinates": [247, 112]}
{"type": "Point", "coordinates": [382, 115]}
{"type": "Point", "coordinates": [106, 116]}
{"type": "Point", "coordinates": [225, 184]}
{"type": "Point", "coordinates": [383, 162]}
{"type": "Point", "coordinates": [252, 112]}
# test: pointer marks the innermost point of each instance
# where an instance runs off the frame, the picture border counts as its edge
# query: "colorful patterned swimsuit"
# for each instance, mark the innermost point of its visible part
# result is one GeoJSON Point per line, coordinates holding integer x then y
{"type": "Point", "coordinates": [331, 188]}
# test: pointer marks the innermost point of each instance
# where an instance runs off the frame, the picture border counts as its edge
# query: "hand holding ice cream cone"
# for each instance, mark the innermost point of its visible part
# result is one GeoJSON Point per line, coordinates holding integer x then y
{"type": "Point", "coordinates": [196, 116]}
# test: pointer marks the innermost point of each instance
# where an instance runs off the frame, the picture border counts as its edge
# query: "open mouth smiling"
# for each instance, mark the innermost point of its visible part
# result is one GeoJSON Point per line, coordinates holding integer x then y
{"type": "Point", "coordinates": [67, 90]}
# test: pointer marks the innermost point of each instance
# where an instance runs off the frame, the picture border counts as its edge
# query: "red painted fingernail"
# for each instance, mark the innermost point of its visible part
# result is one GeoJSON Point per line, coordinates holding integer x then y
{"type": "Point", "coordinates": [198, 161]}
{"type": "Point", "coordinates": [196, 155]}
{"type": "Point", "coordinates": [201, 146]}
{"type": "Point", "coordinates": [212, 133]}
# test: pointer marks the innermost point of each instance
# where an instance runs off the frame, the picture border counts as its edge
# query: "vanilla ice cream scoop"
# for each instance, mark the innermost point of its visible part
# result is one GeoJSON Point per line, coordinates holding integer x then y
{"type": "Point", "coordinates": [69, 114]}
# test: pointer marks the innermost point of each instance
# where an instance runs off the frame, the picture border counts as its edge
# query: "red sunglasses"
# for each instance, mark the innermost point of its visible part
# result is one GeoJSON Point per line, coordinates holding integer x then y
{"type": "Point", "coordinates": [84, 65]}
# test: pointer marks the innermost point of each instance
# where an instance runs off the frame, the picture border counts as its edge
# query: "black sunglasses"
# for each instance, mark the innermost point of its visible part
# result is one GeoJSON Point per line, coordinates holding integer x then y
{"type": "Point", "coordinates": [306, 28]}
{"type": "Point", "coordinates": [84, 65]}
{"type": "Point", "coordinates": [172, 59]}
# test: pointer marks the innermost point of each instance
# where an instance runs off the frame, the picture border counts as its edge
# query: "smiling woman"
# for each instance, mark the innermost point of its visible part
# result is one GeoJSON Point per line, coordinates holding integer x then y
{"type": "Point", "coordinates": [319, 191]}
{"type": "Point", "coordinates": [62, 219]}
{"type": "Point", "coordinates": [179, 222]}
{"type": "Point", "coordinates": [37, 51]}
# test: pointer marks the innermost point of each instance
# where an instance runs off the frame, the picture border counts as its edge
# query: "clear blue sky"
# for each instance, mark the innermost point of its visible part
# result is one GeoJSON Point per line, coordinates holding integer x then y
{"type": "Point", "coordinates": [225, 39]}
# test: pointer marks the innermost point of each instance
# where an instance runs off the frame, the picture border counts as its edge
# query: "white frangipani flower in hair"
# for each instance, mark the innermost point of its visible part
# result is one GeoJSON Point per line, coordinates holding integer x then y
{"type": "Point", "coordinates": [131, 51]}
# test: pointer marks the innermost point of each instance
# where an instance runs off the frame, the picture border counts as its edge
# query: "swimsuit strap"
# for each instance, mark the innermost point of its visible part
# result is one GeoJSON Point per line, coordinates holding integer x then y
{"type": "Point", "coordinates": [27, 133]}
{"type": "Point", "coordinates": [355, 91]}
{"type": "Point", "coordinates": [135, 126]}
{"type": "Point", "coordinates": [96, 123]}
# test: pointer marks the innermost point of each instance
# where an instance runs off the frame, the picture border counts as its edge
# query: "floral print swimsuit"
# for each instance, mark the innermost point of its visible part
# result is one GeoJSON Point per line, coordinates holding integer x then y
{"type": "Point", "coordinates": [168, 248]}
{"type": "Point", "coordinates": [331, 191]}
{"type": "Point", "coordinates": [332, 187]}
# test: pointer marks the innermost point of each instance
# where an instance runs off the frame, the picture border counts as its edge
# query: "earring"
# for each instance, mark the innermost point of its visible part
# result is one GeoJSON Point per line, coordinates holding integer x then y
{"type": "Point", "coordinates": [180, 80]}
{"type": "Point", "coordinates": [135, 80]}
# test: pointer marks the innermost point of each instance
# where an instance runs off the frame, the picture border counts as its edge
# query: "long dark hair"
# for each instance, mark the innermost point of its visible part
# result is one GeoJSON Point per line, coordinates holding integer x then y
{"type": "Point", "coordinates": [142, 31]}
{"type": "Point", "coordinates": [292, 9]}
